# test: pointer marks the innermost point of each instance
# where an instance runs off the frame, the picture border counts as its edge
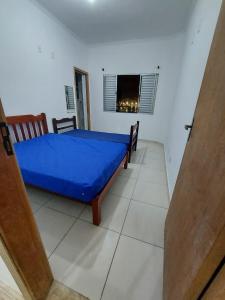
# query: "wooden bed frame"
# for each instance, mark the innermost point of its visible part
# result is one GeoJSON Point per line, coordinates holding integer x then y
{"type": "Point", "coordinates": [71, 124]}
{"type": "Point", "coordinates": [27, 127]}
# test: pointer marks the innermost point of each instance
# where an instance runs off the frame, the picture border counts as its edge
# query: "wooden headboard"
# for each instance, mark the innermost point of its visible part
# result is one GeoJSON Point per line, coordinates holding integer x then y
{"type": "Point", "coordinates": [26, 127]}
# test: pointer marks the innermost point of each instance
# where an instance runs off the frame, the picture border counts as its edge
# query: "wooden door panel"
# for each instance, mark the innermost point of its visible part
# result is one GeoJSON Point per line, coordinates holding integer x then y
{"type": "Point", "coordinates": [216, 290]}
{"type": "Point", "coordinates": [18, 229]}
{"type": "Point", "coordinates": [194, 237]}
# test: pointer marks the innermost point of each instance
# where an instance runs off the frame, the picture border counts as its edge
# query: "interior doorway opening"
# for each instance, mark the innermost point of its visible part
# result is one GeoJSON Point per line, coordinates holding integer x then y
{"type": "Point", "coordinates": [82, 98]}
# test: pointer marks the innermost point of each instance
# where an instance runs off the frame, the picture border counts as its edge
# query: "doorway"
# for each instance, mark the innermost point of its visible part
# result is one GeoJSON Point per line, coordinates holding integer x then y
{"type": "Point", "coordinates": [82, 98]}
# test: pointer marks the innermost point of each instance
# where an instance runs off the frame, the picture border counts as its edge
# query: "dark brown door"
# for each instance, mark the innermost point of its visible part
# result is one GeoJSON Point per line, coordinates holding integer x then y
{"type": "Point", "coordinates": [19, 235]}
{"type": "Point", "coordinates": [194, 231]}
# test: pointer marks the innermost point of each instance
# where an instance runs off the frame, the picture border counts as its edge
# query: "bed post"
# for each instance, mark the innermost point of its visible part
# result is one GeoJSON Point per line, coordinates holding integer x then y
{"type": "Point", "coordinates": [44, 123]}
{"type": "Point", "coordinates": [74, 122]}
{"type": "Point", "coordinates": [130, 144]}
{"type": "Point", "coordinates": [96, 211]}
{"type": "Point", "coordinates": [126, 161]}
{"type": "Point", "coordinates": [135, 147]}
{"type": "Point", "coordinates": [54, 124]}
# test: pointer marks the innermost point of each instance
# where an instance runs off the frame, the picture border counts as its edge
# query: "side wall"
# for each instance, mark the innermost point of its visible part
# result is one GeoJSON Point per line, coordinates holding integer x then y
{"type": "Point", "coordinates": [136, 57]}
{"type": "Point", "coordinates": [37, 56]}
{"type": "Point", "coordinates": [198, 41]}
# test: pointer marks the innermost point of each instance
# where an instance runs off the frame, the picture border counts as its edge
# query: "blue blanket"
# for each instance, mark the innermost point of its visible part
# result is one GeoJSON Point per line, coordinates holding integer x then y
{"type": "Point", "coordinates": [101, 136]}
{"type": "Point", "coordinates": [73, 167]}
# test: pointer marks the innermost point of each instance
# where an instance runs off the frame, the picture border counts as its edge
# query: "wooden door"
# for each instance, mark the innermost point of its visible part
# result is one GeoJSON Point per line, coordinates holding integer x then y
{"type": "Point", "coordinates": [216, 290]}
{"type": "Point", "coordinates": [195, 225]}
{"type": "Point", "coordinates": [20, 243]}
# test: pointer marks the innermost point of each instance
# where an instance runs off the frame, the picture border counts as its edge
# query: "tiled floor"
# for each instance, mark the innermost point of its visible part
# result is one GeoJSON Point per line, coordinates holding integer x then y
{"type": "Point", "coordinates": [123, 257]}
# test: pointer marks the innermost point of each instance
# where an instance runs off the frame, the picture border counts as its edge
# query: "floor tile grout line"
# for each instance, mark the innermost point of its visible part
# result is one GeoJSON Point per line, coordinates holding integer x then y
{"type": "Point", "coordinates": [42, 205]}
{"type": "Point", "coordinates": [120, 234]}
{"type": "Point", "coordinates": [67, 232]}
{"type": "Point", "coordinates": [110, 268]}
{"type": "Point", "coordinates": [64, 236]}
{"type": "Point", "coordinates": [139, 240]}
{"type": "Point", "coordinates": [63, 213]}
{"type": "Point", "coordinates": [128, 198]}
{"type": "Point", "coordinates": [100, 226]}
{"type": "Point", "coordinates": [150, 204]}
{"type": "Point", "coordinates": [143, 156]}
{"type": "Point", "coordinates": [126, 216]}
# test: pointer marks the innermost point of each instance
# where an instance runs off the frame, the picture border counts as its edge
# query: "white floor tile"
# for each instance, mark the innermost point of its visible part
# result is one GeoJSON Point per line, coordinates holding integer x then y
{"type": "Point", "coordinates": [35, 207]}
{"type": "Point", "coordinates": [146, 223]}
{"type": "Point", "coordinates": [150, 155]}
{"type": "Point", "coordinates": [155, 147]}
{"type": "Point", "coordinates": [154, 176]}
{"type": "Point", "coordinates": [132, 171]}
{"type": "Point", "coordinates": [53, 226]}
{"type": "Point", "coordinates": [142, 144]}
{"type": "Point", "coordinates": [123, 186]}
{"type": "Point", "coordinates": [137, 156]}
{"type": "Point", "coordinates": [83, 259]}
{"type": "Point", "coordinates": [136, 272]}
{"type": "Point", "coordinates": [151, 193]}
{"type": "Point", "coordinates": [38, 196]}
{"type": "Point", "coordinates": [66, 206]}
{"type": "Point", "coordinates": [114, 209]}
{"type": "Point", "coordinates": [155, 164]}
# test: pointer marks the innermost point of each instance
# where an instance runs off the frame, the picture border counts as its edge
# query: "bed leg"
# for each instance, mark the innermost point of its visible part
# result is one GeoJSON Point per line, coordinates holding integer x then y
{"type": "Point", "coordinates": [129, 156]}
{"type": "Point", "coordinates": [126, 161]}
{"type": "Point", "coordinates": [96, 212]}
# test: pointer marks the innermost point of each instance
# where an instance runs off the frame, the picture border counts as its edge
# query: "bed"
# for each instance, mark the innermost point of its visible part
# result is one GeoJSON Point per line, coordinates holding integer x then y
{"type": "Point", "coordinates": [59, 163]}
{"type": "Point", "coordinates": [68, 126]}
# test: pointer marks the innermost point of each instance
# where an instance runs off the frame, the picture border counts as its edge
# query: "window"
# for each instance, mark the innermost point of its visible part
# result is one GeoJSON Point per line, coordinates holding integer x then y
{"type": "Point", "coordinates": [128, 90]}
{"type": "Point", "coordinates": [69, 98]}
{"type": "Point", "coordinates": [130, 93]}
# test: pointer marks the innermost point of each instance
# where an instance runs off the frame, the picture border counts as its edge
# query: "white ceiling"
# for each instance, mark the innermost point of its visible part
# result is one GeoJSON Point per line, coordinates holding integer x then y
{"type": "Point", "coordinates": [96, 21]}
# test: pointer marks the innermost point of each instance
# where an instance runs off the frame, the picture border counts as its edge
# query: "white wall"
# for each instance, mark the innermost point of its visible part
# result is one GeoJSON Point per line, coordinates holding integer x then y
{"type": "Point", "coordinates": [33, 82]}
{"type": "Point", "coordinates": [198, 41]}
{"type": "Point", "coordinates": [136, 57]}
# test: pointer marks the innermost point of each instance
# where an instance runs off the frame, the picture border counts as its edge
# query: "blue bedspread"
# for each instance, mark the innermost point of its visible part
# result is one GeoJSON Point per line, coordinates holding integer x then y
{"type": "Point", "coordinates": [70, 166]}
{"type": "Point", "coordinates": [102, 136]}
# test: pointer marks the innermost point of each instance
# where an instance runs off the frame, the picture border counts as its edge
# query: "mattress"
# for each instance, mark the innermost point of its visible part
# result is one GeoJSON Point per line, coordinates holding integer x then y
{"type": "Point", "coordinates": [70, 166]}
{"type": "Point", "coordinates": [101, 136]}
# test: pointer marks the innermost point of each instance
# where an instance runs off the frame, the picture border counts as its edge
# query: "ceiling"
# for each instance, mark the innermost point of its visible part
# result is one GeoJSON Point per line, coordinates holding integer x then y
{"type": "Point", "coordinates": [98, 21]}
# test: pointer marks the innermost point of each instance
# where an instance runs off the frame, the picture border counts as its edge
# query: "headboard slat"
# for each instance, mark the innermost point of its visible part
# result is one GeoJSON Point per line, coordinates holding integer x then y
{"type": "Point", "coordinates": [39, 127]}
{"type": "Point", "coordinates": [15, 132]}
{"type": "Point", "coordinates": [22, 131]}
{"type": "Point", "coordinates": [28, 130]}
{"type": "Point", "coordinates": [34, 128]}
{"type": "Point", "coordinates": [27, 126]}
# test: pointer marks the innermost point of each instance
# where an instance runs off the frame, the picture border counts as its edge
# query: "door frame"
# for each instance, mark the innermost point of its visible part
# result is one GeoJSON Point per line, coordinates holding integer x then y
{"type": "Point", "coordinates": [86, 74]}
